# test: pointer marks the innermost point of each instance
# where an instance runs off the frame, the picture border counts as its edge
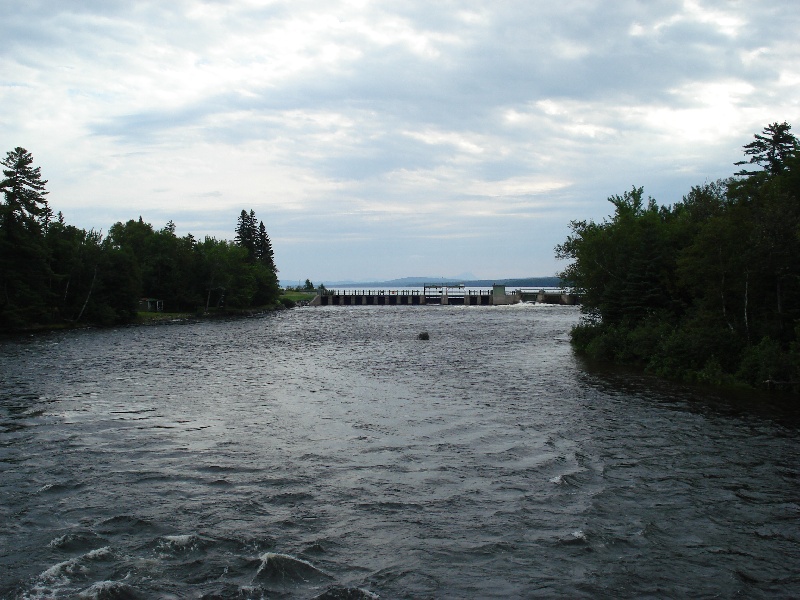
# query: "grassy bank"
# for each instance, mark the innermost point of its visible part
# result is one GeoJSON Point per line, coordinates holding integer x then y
{"type": "Point", "coordinates": [299, 296]}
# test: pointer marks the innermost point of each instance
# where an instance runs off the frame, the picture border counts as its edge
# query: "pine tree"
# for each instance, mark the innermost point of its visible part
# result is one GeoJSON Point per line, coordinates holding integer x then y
{"type": "Point", "coordinates": [246, 235]}
{"type": "Point", "coordinates": [24, 193]}
{"type": "Point", "coordinates": [264, 249]}
{"type": "Point", "coordinates": [24, 216]}
{"type": "Point", "coordinates": [770, 150]}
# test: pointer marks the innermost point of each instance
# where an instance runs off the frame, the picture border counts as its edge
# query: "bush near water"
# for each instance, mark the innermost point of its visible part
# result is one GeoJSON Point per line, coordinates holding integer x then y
{"type": "Point", "coordinates": [705, 290]}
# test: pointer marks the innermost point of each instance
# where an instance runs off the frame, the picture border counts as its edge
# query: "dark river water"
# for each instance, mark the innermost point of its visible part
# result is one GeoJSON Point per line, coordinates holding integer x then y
{"type": "Point", "coordinates": [329, 453]}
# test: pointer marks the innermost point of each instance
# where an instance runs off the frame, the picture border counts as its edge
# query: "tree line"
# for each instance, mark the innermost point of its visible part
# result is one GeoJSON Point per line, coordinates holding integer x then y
{"type": "Point", "coordinates": [54, 273]}
{"type": "Point", "coordinates": [706, 290]}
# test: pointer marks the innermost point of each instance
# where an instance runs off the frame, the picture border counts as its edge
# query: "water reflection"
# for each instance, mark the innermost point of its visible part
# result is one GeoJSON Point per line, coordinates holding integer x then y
{"type": "Point", "coordinates": [782, 409]}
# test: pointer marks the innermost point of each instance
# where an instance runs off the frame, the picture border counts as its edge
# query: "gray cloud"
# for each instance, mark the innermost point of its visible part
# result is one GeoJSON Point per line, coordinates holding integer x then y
{"type": "Point", "coordinates": [354, 129]}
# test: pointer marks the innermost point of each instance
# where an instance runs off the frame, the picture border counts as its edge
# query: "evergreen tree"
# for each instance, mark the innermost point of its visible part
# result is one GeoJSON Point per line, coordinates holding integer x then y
{"type": "Point", "coordinates": [24, 266]}
{"type": "Point", "coordinates": [24, 193]}
{"type": "Point", "coordinates": [770, 150]}
{"type": "Point", "coordinates": [268, 288]}
{"type": "Point", "coordinates": [247, 233]}
{"type": "Point", "coordinates": [264, 251]}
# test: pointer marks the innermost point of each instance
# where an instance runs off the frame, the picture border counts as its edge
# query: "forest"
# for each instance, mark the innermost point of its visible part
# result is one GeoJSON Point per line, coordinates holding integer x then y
{"type": "Point", "coordinates": [705, 290]}
{"type": "Point", "coordinates": [54, 274]}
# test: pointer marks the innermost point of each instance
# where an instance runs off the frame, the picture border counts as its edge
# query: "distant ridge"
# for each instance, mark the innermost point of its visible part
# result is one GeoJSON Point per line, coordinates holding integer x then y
{"type": "Point", "coordinates": [541, 282]}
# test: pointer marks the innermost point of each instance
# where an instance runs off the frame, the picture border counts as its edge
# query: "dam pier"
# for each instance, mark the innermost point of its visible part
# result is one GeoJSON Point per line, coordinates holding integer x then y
{"type": "Point", "coordinates": [440, 295]}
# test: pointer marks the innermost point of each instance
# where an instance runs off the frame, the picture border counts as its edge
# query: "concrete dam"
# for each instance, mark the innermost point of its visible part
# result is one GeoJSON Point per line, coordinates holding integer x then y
{"type": "Point", "coordinates": [439, 295]}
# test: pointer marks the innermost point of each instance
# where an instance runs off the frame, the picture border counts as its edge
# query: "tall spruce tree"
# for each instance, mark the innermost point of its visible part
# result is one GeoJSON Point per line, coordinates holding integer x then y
{"type": "Point", "coordinates": [264, 251]}
{"type": "Point", "coordinates": [24, 216]}
{"type": "Point", "coordinates": [247, 234]}
{"type": "Point", "coordinates": [23, 193]}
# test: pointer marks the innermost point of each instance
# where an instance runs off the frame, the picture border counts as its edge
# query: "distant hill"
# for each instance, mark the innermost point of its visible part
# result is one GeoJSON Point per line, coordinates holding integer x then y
{"type": "Point", "coordinates": [538, 282]}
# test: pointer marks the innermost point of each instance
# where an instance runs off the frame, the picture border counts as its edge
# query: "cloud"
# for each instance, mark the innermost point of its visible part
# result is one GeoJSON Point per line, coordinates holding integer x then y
{"type": "Point", "coordinates": [356, 128]}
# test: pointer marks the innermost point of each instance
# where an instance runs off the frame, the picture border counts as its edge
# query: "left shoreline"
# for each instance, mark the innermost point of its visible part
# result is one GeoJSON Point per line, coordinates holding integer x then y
{"type": "Point", "coordinates": [150, 319]}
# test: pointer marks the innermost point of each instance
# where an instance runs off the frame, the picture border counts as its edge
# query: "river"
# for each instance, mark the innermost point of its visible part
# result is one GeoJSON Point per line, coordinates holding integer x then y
{"type": "Point", "coordinates": [329, 453]}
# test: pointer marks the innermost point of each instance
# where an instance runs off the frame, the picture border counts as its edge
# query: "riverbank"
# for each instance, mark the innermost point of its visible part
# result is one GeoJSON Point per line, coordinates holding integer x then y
{"type": "Point", "coordinates": [162, 318]}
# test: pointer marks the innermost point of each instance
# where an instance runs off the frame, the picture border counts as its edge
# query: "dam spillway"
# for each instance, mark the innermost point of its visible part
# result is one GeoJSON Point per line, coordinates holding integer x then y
{"type": "Point", "coordinates": [438, 295]}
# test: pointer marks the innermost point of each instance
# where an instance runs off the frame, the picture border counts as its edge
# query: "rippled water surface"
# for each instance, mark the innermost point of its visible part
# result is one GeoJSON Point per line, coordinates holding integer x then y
{"type": "Point", "coordinates": [329, 453]}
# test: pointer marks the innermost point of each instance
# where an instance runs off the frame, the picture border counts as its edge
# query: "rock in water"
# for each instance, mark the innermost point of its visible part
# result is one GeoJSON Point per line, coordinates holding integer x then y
{"type": "Point", "coordinates": [423, 336]}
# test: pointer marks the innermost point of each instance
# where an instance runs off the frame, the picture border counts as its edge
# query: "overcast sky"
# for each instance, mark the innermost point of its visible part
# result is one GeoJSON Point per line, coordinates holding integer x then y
{"type": "Point", "coordinates": [388, 139]}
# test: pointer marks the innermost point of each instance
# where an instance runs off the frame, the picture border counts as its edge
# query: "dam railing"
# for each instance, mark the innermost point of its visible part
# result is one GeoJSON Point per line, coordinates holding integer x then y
{"type": "Point", "coordinates": [439, 295]}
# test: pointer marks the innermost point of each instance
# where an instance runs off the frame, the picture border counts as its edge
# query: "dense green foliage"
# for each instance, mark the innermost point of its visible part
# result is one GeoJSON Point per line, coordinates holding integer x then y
{"type": "Point", "coordinates": [706, 290]}
{"type": "Point", "coordinates": [52, 273]}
